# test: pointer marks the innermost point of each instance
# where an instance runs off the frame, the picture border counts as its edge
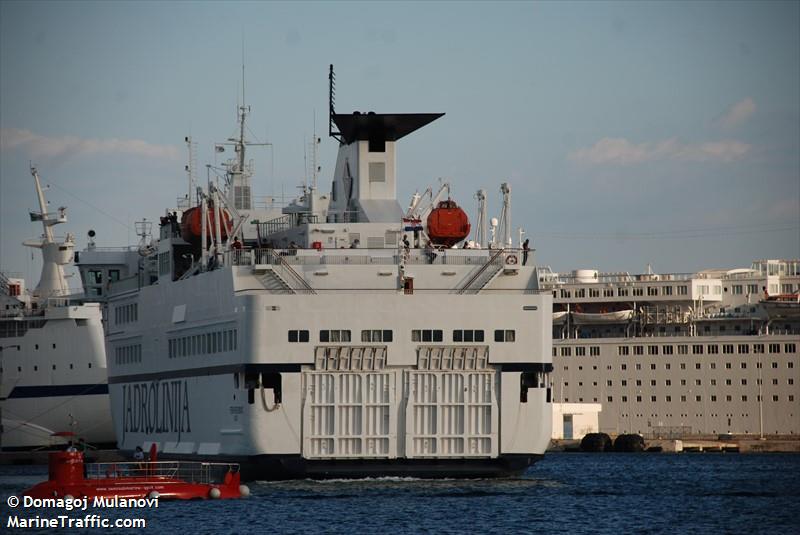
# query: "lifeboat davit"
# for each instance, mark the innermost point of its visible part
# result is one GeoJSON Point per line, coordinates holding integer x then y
{"type": "Point", "coordinates": [71, 477]}
{"type": "Point", "coordinates": [448, 224]}
{"type": "Point", "coordinates": [192, 224]}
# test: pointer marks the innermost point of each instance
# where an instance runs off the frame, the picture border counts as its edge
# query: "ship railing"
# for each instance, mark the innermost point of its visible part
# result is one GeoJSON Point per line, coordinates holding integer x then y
{"type": "Point", "coordinates": [621, 278]}
{"type": "Point", "coordinates": [193, 472]}
{"type": "Point", "coordinates": [285, 222]}
{"type": "Point", "coordinates": [387, 256]}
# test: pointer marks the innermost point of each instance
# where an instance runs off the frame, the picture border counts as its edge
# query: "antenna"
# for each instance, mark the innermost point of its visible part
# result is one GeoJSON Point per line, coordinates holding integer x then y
{"type": "Point", "coordinates": [331, 102]}
{"type": "Point", "coordinates": [243, 99]}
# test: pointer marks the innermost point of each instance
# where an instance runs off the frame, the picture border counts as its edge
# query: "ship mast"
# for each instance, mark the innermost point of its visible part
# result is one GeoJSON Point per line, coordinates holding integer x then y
{"type": "Point", "coordinates": [55, 254]}
{"type": "Point", "coordinates": [238, 171]}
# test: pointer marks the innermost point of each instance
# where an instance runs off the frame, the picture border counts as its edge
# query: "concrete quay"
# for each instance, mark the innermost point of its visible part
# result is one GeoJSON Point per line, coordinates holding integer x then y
{"type": "Point", "coordinates": [745, 444]}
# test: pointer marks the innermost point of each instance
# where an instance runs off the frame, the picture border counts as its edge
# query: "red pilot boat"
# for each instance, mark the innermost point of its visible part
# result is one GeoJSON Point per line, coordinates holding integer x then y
{"type": "Point", "coordinates": [70, 477]}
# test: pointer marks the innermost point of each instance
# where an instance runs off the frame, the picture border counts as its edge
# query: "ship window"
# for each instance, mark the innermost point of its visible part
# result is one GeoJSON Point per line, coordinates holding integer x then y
{"type": "Point", "coordinates": [113, 275]}
{"type": "Point", "coordinates": [594, 351]}
{"type": "Point", "coordinates": [376, 335]}
{"type": "Point", "coordinates": [377, 172]}
{"type": "Point", "coordinates": [509, 335]}
{"type": "Point", "coordinates": [95, 276]}
{"type": "Point", "coordinates": [426, 335]}
{"type": "Point", "coordinates": [302, 336]}
{"type": "Point", "coordinates": [622, 350]}
{"type": "Point", "coordinates": [467, 335]}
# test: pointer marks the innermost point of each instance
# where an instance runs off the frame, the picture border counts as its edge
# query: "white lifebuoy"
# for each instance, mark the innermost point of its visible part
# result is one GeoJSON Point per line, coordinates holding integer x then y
{"type": "Point", "coordinates": [511, 260]}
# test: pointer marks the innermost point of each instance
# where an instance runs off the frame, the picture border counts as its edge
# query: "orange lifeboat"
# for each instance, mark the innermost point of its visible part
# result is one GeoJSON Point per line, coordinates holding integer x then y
{"type": "Point", "coordinates": [448, 224]}
{"type": "Point", "coordinates": [192, 224]}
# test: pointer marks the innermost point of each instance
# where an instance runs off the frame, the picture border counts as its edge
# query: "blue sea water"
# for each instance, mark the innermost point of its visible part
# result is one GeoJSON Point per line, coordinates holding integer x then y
{"type": "Point", "coordinates": [564, 493]}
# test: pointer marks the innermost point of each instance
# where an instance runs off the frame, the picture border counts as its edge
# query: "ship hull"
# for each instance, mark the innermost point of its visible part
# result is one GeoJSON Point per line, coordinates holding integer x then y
{"type": "Point", "coordinates": [55, 381]}
{"type": "Point", "coordinates": [326, 409]}
{"type": "Point", "coordinates": [286, 467]}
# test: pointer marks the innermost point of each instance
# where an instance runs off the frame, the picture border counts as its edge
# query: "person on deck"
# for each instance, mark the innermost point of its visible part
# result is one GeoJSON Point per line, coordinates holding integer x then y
{"type": "Point", "coordinates": [429, 252]}
{"type": "Point", "coordinates": [525, 250]}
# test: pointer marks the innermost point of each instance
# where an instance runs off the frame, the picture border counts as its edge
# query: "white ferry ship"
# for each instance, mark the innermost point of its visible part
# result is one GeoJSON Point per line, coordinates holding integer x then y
{"type": "Point", "coordinates": [327, 339]}
{"type": "Point", "coordinates": [680, 354]}
{"type": "Point", "coordinates": [52, 351]}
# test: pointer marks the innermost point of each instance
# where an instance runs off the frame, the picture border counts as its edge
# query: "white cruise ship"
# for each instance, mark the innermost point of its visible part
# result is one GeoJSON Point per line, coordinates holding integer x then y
{"type": "Point", "coordinates": [327, 339]}
{"type": "Point", "coordinates": [679, 355]}
{"type": "Point", "coordinates": [54, 378]}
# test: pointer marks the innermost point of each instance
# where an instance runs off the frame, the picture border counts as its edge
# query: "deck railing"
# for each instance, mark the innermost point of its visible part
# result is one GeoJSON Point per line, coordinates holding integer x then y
{"type": "Point", "coordinates": [388, 257]}
{"type": "Point", "coordinates": [193, 472]}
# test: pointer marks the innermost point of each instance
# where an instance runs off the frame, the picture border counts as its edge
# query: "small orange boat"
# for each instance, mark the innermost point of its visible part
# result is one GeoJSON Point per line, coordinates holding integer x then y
{"type": "Point", "coordinates": [70, 477]}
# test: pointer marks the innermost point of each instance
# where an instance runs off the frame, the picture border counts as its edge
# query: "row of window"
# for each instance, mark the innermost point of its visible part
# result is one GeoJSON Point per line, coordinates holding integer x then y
{"type": "Point", "coordinates": [699, 398]}
{"type": "Point", "coordinates": [417, 335]}
{"type": "Point", "coordinates": [36, 368]}
{"type": "Point", "coordinates": [682, 349]}
{"type": "Point", "coordinates": [95, 276]}
{"type": "Point", "coordinates": [697, 382]}
{"type": "Point", "coordinates": [126, 313]}
{"type": "Point", "coordinates": [204, 343]}
{"type": "Point", "coordinates": [698, 366]}
{"type": "Point", "coordinates": [632, 292]}
{"type": "Point", "coordinates": [130, 354]}
{"type": "Point", "coordinates": [17, 329]}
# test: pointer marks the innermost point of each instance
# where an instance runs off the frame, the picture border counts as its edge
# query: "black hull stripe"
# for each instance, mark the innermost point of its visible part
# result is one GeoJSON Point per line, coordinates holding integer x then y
{"type": "Point", "coordinates": [51, 391]}
{"type": "Point", "coordinates": [274, 368]}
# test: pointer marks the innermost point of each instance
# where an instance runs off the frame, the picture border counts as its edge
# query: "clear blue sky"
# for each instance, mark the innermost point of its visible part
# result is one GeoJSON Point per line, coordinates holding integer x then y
{"type": "Point", "coordinates": [631, 133]}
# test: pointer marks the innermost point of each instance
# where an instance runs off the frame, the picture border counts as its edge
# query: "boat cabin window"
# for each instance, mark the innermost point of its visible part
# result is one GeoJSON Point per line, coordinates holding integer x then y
{"type": "Point", "coordinates": [468, 335]}
{"type": "Point", "coordinates": [376, 335]}
{"type": "Point", "coordinates": [298, 336]}
{"type": "Point", "coordinates": [95, 276]}
{"type": "Point", "coordinates": [334, 335]}
{"type": "Point", "coordinates": [507, 335]}
{"type": "Point", "coordinates": [426, 335]}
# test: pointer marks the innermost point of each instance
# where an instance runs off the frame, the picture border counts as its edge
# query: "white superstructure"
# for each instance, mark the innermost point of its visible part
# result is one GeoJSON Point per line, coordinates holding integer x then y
{"type": "Point", "coordinates": [326, 347]}
{"type": "Point", "coordinates": [52, 351]}
{"type": "Point", "coordinates": [681, 354]}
